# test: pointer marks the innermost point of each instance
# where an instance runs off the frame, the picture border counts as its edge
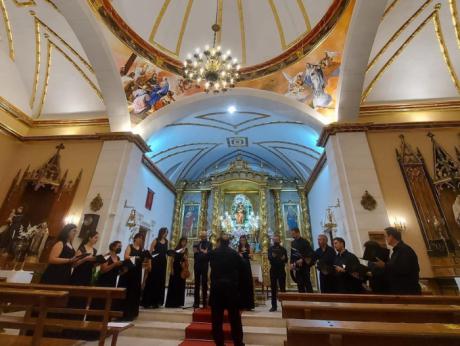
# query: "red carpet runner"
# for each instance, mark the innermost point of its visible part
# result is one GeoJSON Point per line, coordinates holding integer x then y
{"type": "Point", "coordinates": [199, 332]}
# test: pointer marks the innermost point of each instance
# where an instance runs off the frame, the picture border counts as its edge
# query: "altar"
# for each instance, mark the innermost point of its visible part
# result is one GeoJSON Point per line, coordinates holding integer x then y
{"type": "Point", "coordinates": [241, 200]}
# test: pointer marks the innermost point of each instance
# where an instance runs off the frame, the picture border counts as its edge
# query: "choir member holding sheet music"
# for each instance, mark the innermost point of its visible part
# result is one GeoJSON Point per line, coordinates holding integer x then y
{"type": "Point", "coordinates": [110, 270]}
{"type": "Point", "coordinates": [154, 291]}
{"type": "Point", "coordinates": [82, 274]}
{"type": "Point", "coordinates": [61, 258]}
{"type": "Point", "coordinates": [132, 277]}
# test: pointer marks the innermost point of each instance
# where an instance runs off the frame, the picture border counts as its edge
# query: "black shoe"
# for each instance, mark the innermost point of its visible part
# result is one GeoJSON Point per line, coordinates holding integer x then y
{"type": "Point", "coordinates": [273, 309]}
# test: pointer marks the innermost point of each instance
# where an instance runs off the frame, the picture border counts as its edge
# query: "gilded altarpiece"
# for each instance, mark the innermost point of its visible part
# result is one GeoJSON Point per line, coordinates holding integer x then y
{"type": "Point", "coordinates": [238, 201]}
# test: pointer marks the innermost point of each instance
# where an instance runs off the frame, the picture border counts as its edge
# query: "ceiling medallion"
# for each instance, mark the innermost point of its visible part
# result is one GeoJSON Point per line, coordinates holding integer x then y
{"type": "Point", "coordinates": [216, 70]}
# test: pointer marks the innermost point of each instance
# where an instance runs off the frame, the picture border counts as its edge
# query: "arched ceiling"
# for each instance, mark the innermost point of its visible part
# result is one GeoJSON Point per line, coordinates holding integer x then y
{"type": "Point", "coordinates": [416, 53]}
{"type": "Point", "coordinates": [271, 139]}
{"type": "Point", "coordinates": [255, 31]}
{"type": "Point", "coordinates": [44, 70]}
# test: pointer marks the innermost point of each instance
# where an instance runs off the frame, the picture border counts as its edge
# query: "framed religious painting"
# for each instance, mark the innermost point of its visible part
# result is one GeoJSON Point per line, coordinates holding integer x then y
{"type": "Point", "coordinates": [291, 217]}
{"type": "Point", "coordinates": [190, 220]}
{"type": "Point", "coordinates": [89, 224]}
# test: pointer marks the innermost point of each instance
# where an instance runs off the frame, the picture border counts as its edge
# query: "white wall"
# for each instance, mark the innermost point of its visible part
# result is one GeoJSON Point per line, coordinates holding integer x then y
{"type": "Point", "coordinates": [120, 177]}
{"type": "Point", "coordinates": [322, 195]}
{"type": "Point", "coordinates": [137, 179]}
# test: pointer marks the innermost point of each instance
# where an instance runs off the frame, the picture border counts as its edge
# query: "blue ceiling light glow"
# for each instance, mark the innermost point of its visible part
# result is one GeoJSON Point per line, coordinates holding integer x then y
{"type": "Point", "coordinates": [231, 109]}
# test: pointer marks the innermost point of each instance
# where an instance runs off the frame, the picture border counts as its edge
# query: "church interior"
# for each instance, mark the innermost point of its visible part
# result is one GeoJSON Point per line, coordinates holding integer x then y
{"type": "Point", "coordinates": [163, 130]}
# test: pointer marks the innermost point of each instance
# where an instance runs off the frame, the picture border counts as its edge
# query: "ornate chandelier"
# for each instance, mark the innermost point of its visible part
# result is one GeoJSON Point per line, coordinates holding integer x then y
{"type": "Point", "coordinates": [218, 71]}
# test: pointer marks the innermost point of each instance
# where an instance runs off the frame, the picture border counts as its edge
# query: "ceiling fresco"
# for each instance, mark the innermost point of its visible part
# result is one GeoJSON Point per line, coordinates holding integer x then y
{"type": "Point", "coordinates": [312, 80]}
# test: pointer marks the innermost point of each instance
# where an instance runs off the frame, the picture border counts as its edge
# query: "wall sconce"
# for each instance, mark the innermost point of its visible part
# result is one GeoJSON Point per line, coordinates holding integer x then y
{"type": "Point", "coordinates": [399, 224]}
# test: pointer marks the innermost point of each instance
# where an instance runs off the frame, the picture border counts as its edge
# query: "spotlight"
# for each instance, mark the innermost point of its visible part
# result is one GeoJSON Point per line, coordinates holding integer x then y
{"type": "Point", "coordinates": [231, 109]}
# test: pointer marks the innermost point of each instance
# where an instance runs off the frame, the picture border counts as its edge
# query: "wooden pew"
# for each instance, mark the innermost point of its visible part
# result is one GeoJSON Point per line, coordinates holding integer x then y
{"type": "Point", "coordinates": [19, 340]}
{"type": "Point", "coordinates": [43, 299]}
{"type": "Point", "coordinates": [104, 327]}
{"type": "Point", "coordinates": [410, 313]}
{"type": "Point", "coordinates": [346, 333]}
{"type": "Point", "coordinates": [369, 298]}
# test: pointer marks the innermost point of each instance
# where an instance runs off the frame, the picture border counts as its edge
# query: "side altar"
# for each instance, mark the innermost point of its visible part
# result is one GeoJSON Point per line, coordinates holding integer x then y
{"type": "Point", "coordinates": [240, 200]}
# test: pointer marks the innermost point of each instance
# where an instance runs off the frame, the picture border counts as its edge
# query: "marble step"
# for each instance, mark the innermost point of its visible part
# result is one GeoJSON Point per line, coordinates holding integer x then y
{"type": "Point", "coordinates": [167, 330]}
{"type": "Point", "coordinates": [249, 318]}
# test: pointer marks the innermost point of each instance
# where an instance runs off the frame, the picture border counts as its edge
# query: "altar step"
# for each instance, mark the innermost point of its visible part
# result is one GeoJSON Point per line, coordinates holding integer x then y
{"type": "Point", "coordinates": [260, 328]}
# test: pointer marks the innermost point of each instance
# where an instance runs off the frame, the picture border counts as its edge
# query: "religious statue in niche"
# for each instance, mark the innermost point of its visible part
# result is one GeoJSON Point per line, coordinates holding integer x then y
{"type": "Point", "coordinates": [291, 213]}
{"type": "Point", "coordinates": [240, 214]}
{"type": "Point", "coordinates": [38, 196]}
{"type": "Point", "coordinates": [10, 231]}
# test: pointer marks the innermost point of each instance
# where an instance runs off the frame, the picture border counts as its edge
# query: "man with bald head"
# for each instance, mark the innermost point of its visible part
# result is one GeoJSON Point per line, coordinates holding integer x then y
{"type": "Point", "coordinates": [324, 257]}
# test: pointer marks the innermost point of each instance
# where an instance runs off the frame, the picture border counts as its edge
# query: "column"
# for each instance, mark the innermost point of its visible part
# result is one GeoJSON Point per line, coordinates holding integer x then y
{"type": "Point", "coordinates": [352, 172]}
{"type": "Point", "coordinates": [110, 179]}
{"type": "Point", "coordinates": [204, 211]}
{"type": "Point", "coordinates": [215, 226]}
{"type": "Point", "coordinates": [279, 224]}
{"type": "Point", "coordinates": [177, 215]}
{"type": "Point", "coordinates": [264, 231]}
{"type": "Point", "coordinates": [306, 229]}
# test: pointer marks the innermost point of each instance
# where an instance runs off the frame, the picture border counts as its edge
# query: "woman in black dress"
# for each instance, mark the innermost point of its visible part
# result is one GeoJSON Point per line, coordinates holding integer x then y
{"type": "Point", "coordinates": [179, 273]}
{"type": "Point", "coordinates": [110, 270]}
{"type": "Point", "coordinates": [246, 283]}
{"type": "Point", "coordinates": [131, 279]}
{"type": "Point", "coordinates": [154, 291]}
{"type": "Point", "coordinates": [61, 258]}
{"type": "Point", "coordinates": [82, 274]}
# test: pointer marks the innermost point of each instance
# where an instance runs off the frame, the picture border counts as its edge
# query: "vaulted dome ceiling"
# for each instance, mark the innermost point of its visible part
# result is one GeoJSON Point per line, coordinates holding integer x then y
{"type": "Point", "coordinates": [44, 70]}
{"type": "Point", "coordinates": [255, 31]}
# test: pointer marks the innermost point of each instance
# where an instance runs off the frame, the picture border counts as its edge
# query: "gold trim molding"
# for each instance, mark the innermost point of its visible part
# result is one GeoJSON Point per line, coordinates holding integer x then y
{"type": "Point", "coordinates": [9, 32]}
{"type": "Point", "coordinates": [333, 129]}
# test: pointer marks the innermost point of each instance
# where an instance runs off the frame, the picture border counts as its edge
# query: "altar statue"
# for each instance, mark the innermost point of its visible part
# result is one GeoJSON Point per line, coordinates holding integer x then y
{"type": "Point", "coordinates": [240, 214]}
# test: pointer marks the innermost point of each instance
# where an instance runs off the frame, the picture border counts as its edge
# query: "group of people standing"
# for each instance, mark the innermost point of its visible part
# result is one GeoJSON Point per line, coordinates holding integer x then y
{"type": "Point", "coordinates": [67, 266]}
{"type": "Point", "coordinates": [340, 271]}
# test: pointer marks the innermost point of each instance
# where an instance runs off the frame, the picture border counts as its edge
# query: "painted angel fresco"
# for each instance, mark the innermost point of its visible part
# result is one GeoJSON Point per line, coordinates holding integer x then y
{"type": "Point", "coordinates": [309, 85]}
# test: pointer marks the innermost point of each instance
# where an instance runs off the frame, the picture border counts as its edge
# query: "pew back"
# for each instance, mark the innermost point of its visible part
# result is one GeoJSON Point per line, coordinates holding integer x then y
{"type": "Point", "coordinates": [346, 333]}
{"type": "Point", "coordinates": [411, 313]}
{"type": "Point", "coordinates": [369, 298]}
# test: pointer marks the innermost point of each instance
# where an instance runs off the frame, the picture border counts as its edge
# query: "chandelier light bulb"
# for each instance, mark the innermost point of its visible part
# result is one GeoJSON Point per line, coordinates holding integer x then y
{"type": "Point", "coordinates": [228, 52]}
{"type": "Point", "coordinates": [235, 60]}
{"type": "Point", "coordinates": [206, 47]}
{"type": "Point", "coordinates": [218, 48]}
{"type": "Point", "coordinates": [189, 56]}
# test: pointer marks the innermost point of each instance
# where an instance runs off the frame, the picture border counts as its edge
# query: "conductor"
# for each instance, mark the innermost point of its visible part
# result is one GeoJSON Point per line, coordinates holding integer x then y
{"type": "Point", "coordinates": [226, 265]}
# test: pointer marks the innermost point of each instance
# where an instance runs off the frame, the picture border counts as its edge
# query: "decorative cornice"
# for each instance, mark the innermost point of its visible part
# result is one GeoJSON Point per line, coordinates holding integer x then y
{"type": "Point", "coordinates": [21, 116]}
{"type": "Point", "coordinates": [159, 174]}
{"type": "Point", "coordinates": [333, 129]}
{"type": "Point", "coordinates": [109, 136]}
{"type": "Point", "coordinates": [382, 108]}
{"type": "Point", "coordinates": [315, 173]}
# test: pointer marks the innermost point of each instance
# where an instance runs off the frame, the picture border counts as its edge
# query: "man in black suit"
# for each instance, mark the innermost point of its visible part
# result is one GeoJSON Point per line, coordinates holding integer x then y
{"type": "Point", "coordinates": [402, 270]}
{"type": "Point", "coordinates": [201, 264]}
{"type": "Point", "coordinates": [226, 266]}
{"type": "Point", "coordinates": [325, 256]}
{"type": "Point", "coordinates": [277, 255]}
{"type": "Point", "coordinates": [347, 267]}
{"type": "Point", "coordinates": [301, 260]}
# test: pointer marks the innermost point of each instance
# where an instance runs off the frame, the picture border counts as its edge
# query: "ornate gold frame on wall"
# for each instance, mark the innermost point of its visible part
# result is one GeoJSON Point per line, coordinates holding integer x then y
{"type": "Point", "coordinates": [295, 52]}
